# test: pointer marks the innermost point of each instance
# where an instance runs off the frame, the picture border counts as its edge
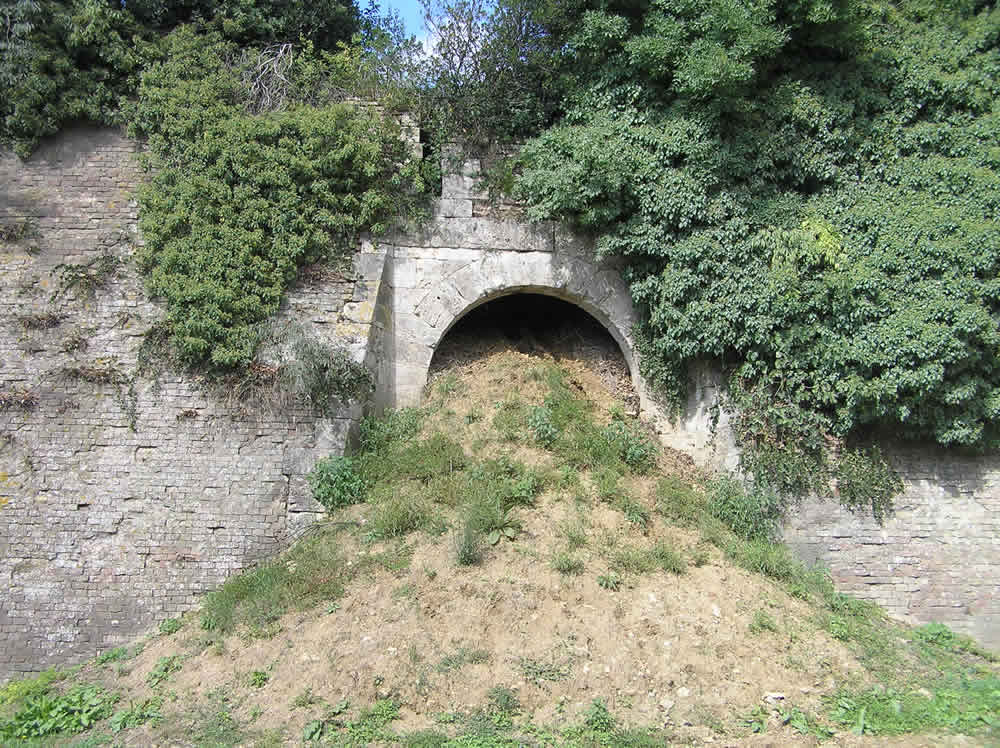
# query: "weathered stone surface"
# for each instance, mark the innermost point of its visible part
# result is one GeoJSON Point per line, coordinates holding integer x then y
{"type": "Point", "coordinates": [936, 559]}
{"type": "Point", "coordinates": [480, 233]}
{"type": "Point", "coordinates": [450, 207]}
{"type": "Point", "coordinates": [122, 502]}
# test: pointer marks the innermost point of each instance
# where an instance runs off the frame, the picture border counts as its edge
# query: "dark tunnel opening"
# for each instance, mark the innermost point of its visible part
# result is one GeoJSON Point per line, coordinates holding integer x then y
{"type": "Point", "coordinates": [536, 324]}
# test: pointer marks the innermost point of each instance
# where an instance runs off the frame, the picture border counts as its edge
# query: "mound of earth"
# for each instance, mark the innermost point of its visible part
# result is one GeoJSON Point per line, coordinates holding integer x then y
{"type": "Point", "coordinates": [588, 599]}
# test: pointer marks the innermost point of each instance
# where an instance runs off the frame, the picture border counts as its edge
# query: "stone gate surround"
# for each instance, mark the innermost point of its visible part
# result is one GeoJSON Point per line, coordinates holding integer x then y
{"type": "Point", "coordinates": [121, 504]}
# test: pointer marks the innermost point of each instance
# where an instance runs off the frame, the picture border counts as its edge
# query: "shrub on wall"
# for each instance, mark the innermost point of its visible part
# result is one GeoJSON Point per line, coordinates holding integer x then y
{"type": "Point", "coordinates": [803, 192]}
{"type": "Point", "coordinates": [63, 62]}
{"type": "Point", "coordinates": [238, 202]}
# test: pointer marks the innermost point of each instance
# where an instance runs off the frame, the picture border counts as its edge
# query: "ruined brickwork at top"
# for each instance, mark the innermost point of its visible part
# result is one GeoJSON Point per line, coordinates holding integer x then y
{"type": "Point", "coordinates": [124, 495]}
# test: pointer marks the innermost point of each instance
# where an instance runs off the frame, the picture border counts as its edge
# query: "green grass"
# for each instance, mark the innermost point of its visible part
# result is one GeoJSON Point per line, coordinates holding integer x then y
{"type": "Point", "coordinates": [461, 657]}
{"type": "Point", "coordinates": [399, 515]}
{"type": "Point", "coordinates": [634, 512]}
{"type": "Point", "coordinates": [469, 546]}
{"type": "Point", "coordinates": [631, 560]}
{"type": "Point", "coordinates": [575, 534]}
{"type": "Point", "coordinates": [310, 573]}
{"type": "Point", "coordinates": [680, 502]}
{"type": "Point", "coordinates": [762, 621]}
{"type": "Point", "coordinates": [567, 564]}
{"type": "Point", "coordinates": [668, 559]}
{"type": "Point", "coordinates": [960, 704]}
{"type": "Point", "coordinates": [627, 559]}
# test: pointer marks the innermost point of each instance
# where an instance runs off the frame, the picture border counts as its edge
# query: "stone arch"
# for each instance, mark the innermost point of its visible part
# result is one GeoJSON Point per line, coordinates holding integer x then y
{"type": "Point", "coordinates": [434, 290]}
{"type": "Point", "coordinates": [622, 338]}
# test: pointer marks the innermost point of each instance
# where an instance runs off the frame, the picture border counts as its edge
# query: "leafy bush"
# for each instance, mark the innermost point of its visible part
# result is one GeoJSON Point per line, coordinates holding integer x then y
{"type": "Point", "coordinates": [28, 688]}
{"type": "Point", "coordinates": [961, 704]}
{"type": "Point", "coordinates": [118, 654]}
{"type": "Point", "coordinates": [632, 447]}
{"type": "Point", "coordinates": [163, 669]}
{"type": "Point", "coordinates": [598, 718]}
{"type": "Point", "coordinates": [939, 635]}
{"type": "Point", "coordinates": [170, 626]}
{"type": "Point", "coordinates": [238, 203]}
{"type": "Point", "coordinates": [65, 61]}
{"type": "Point", "coordinates": [137, 715]}
{"type": "Point", "coordinates": [314, 372]}
{"type": "Point", "coordinates": [753, 513]}
{"type": "Point", "coordinates": [866, 482]}
{"type": "Point", "coordinates": [800, 192]}
{"type": "Point", "coordinates": [540, 423]}
{"type": "Point", "coordinates": [252, 22]}
{"type": "Point", "coordinates": [506, 481]}
{"type": "Point", "coordinates": [44, 714]}
{"type": "Point", "coordinates": [335, 482]}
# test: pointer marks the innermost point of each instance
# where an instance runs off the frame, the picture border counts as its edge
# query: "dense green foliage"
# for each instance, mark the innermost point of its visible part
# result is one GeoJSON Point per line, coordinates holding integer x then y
{"type": "Point", "coordinates": [335, 482]}
{"type": "Point", "coordinates": [261, 163]}
{"type": "Point", "coordinates": [324, 23]}
{"type": "Point", "coordinates": [239, 202]}
{"type": "Point", "coordinates": [61, 62]}
{"type": "Point", "coordinates": [805, 191]}
{"type": "Point", "coordinates": [814, 202]}
{"type": "Point", "coordinates": [492, 77]}
{"type": "Point", "coordinates": [47, 713]}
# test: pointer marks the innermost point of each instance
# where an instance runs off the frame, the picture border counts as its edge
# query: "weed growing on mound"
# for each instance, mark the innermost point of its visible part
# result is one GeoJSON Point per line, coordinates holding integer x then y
{"type": "Point", "coordinates": [310, 573]}
{"type": "Point", "coordinates": [336, 482]}
{"type": "Point", "coordinates": [44, 713]}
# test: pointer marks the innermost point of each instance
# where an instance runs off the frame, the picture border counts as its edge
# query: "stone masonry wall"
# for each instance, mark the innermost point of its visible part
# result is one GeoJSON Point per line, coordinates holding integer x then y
{"type": "Point", "coordinates": [936, 559]}
{"type": "Point", "coordinates": [123, 496]}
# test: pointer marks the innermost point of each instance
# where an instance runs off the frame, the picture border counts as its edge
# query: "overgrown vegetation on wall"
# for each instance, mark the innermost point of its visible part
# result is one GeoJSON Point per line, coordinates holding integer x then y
{"type": "Point", "coordinates": [273, 141]}
{"type": "Point", "coordinates": [239, 201]}
{"type": "Point", "coordinates": [804, 191]}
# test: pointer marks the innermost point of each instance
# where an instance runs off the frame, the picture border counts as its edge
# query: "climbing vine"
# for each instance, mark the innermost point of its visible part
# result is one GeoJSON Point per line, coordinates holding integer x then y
{"type": "Point", "coordinates": [804, 193]}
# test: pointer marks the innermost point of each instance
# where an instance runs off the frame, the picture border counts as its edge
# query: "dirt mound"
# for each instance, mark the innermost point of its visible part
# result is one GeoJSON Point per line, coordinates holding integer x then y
{"type": "Point", "coordinates": [589, 600]}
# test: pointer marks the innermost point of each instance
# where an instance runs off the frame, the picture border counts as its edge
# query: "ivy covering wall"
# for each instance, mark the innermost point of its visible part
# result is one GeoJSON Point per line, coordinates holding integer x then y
{"type": "Point", "coordinates": [262, 157]}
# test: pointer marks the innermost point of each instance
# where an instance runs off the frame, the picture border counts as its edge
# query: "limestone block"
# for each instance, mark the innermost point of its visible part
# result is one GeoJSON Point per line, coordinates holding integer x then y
{"type": "Point", "coordinates": [440, 306]}
{"type": "Point", "coordinates": [408, 326]}
{"type": "Point", "coordinates": [572, 243]}
{"type": "Point", "coordinates": [449, 207]}
{"type": "Point", "coordinates": [482, 233]}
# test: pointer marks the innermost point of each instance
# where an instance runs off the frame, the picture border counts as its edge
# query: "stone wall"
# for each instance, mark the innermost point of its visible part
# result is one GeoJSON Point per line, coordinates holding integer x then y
{"type": "Point", "coordinates": [472, 251]}
{"type": "Point", "coordinates": [936, 559]}
{"type": "Point", "coordinates": [124, 496]}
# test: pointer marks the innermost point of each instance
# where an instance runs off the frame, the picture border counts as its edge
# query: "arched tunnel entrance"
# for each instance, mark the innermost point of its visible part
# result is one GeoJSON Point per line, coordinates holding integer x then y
{"type": "Point", "coordinates": [538, 325]}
